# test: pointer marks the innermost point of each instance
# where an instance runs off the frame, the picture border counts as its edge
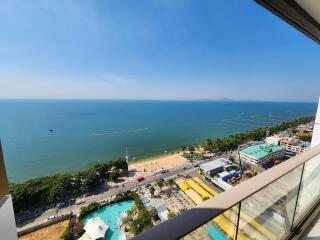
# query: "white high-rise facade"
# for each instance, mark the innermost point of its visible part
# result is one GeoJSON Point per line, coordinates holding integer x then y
{"type": "Point", "coordinates": [8, 229]}
{"type": "Point", "coordinates": [316, 130]}
{"type": "Point", "coordinates": [7, 221]}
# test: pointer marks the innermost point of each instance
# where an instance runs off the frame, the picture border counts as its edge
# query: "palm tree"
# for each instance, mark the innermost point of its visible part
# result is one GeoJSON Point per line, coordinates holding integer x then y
{"type": "Point", "coordinates": [171, 182]}
{"type": "Point", "coordinates": [151, 190]}
{"type": "Point", "coordinates": [160, 183]}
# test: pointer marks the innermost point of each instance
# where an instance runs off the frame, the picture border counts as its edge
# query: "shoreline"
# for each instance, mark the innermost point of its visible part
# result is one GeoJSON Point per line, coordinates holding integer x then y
{"type": "Point", "coordinates": [139, 161]}
{"type": "Point", "coordinates": [161, 159]}
{"type": "Point", "coordinates": [154, 157]}
{"type": "Point", "coordinates": [154, 163]}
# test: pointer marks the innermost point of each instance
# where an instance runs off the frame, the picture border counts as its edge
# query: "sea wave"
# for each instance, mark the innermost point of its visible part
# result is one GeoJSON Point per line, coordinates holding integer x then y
{"type": "Point", "coordinates": [120, 132]}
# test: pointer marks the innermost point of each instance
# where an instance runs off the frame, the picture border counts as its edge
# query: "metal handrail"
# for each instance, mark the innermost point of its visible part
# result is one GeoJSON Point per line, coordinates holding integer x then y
{"type": "Point", "coordinates": [193, 218]}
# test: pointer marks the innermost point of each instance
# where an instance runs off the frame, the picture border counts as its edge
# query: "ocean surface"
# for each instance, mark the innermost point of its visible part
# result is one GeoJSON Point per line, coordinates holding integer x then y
{"type": "Point", "coordinates": [86, 131]}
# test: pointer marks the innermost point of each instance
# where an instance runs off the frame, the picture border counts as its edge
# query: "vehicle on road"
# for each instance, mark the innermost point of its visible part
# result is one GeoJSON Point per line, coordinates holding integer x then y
{"type": "Point", "coordinates": [60, 204]}
{"type": "Point", "coordinates": [80, 201]}
{"type": "Point", "coordinates": [140, 179]}
{"type": "Point", "coordinates": [51, 218]}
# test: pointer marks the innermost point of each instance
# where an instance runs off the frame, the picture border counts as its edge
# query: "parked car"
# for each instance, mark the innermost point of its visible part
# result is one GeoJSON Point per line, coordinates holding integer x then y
{"type": "Point", "coordinates": [140, 179]}
{"type": "Point", "coordinates": [60, 204]}
{"type": "Point", "coordinates": [80, 201]}
{"type": "Point", "coordinates": [51, 218]}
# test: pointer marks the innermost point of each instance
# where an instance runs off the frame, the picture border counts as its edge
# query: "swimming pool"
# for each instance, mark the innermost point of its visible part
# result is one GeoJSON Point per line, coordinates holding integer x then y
{"type": "Point", "coordinates": [111, 215]}
{"type": "Point", "coordinates": [215, 233]}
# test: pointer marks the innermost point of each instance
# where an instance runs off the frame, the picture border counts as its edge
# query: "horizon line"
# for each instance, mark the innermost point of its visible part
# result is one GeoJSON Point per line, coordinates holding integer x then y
{"type": "Point", "coordinates": [159, 100]}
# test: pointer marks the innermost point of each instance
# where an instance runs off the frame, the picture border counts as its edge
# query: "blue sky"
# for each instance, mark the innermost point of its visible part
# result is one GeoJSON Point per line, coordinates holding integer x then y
{"type": "Point", "coordinates": [153, 49]}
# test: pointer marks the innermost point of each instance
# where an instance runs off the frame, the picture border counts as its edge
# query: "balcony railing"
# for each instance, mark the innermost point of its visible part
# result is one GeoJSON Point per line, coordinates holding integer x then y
{"type": "Point", "coordinates": [271, 205]}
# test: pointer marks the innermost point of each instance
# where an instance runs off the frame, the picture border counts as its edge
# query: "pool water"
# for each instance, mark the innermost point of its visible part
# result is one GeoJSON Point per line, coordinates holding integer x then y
{"type": "Point", "coordinates": [112, 215]}
{"type": "Point", "coordinates": [215, 233]}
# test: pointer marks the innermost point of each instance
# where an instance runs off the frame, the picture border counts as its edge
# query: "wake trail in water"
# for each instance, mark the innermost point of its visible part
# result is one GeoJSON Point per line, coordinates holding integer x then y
{"type": "Point", "coordinates": [240, 123]}
{"type": "Point", "coordinates": [120, 132]}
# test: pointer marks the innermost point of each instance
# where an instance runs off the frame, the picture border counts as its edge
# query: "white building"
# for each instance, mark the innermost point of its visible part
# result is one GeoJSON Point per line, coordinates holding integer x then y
{"type": "Point", "coordinates": [215, 166]}
{"type": "Point", "coordinates": [261, 153]}
{"type": "Point", "coordinates": [160, 207]}
{"type": "Point", "coordinates": [316, 130]}
{"type": "Point", "coordinates": [294, 145]}
{"type": "Point", "coordinates": [273, 140]}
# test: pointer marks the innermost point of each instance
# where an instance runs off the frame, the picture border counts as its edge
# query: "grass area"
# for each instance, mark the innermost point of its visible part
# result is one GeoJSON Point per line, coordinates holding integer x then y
{"type": "Point", "coordinates": [52, 232]}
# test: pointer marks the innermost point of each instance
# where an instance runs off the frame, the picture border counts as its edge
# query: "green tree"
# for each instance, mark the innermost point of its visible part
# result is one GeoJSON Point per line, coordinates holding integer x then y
{"type": "Point", "coordinates": [205, 198]}
{"type": "Point", "coordinates": [160, 183]}
{"type": "Point", "coordinates": [139, 218]}
{"type": "Point", "coordinates": [171, 182]}
{"type": "Point", "coordinates": [171, 214]}
{"type": "Point", "coordinates": [68, 234]}
{"type": "Point", "coordinates": [89, 209]}
{"type": "Point", "coordinates": [191, 149]}
{"type": "Point", "coordinates": [79, 231]}
{"type": "Point", "coordinates": [114, 175]}
{"type": "Point", "coordinates": [153, 214]}
{"type": "Point", "coordinates": [305, 138]}
{"type": "Point", "coordinates": [182, 210]}
{"type": "Point", "coordinates": [119, 163]}
{"type": "Point", "coordinates": [151, 190]}
{"type": "Point", "coordinates": [232, 158]}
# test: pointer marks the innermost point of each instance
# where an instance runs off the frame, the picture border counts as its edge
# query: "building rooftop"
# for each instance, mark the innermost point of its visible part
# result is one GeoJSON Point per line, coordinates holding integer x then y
{"type": "Point", "coordinates": [224, 174]}
{"type": "Point", "coordinates": [260, 151]}
{"type": "Point", "coordinates": [214, 164]}
{"type": "Point", "coordinates": [144, 200]}
{"type": "Point", "coordinates": [157, 204]}
{"type": "Point", "coordinates": [295, 141]}
{"type": "Point", "coordinates": [160, 207]}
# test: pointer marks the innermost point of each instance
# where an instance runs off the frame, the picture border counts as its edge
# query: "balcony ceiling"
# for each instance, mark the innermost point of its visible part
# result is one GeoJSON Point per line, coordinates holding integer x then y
{"type": "Point", "coordinates": [312, 7]}
{"type": "Point", "coordinates": [302, 14]}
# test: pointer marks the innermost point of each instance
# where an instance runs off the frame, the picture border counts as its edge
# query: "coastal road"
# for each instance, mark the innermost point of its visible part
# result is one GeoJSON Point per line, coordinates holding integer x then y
{"type": "Point", "coordinates": [188, 168]}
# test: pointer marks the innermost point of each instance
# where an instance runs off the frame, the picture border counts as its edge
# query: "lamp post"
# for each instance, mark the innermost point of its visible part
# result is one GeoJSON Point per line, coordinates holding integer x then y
{"type": "Point", "coordinates": [70, 206]}
{"type": "Point", "coordinates": [240, 163]}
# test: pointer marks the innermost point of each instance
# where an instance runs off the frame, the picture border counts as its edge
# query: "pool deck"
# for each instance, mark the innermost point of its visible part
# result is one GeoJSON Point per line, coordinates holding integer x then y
{"type": "Point", "coordinates": [111, 216]}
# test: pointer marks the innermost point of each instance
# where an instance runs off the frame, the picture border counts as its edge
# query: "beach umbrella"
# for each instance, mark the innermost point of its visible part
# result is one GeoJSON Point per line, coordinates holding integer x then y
{"type": "Point", "coordinates": [85, 237]}
{"type": "Point", "coordinates": [96, 228]}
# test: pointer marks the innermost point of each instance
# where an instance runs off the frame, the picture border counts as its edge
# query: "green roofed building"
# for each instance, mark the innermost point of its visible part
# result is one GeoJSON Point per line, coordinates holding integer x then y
{"type": "Point", "coordinates": [262, 153]}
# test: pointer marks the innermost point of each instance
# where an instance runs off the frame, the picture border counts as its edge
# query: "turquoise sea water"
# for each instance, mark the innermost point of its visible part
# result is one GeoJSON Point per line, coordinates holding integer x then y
{"type": "Point", "coordinates": [111, 215]}
{"type": "Point", "coordinates": [88, 131]}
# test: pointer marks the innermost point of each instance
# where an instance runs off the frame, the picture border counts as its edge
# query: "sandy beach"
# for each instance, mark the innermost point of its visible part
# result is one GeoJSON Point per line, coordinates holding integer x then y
{"type": "Point", "coordinates": [154, 164]}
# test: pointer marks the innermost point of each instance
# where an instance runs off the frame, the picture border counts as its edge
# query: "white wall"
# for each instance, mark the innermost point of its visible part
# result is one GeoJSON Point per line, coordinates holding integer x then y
{"type": "Point", "coordinates": [8, 229]}
{"type": "Point", "coordinates": [272, 140]}
{"type": "Point", "coordinates": [316, 131]}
